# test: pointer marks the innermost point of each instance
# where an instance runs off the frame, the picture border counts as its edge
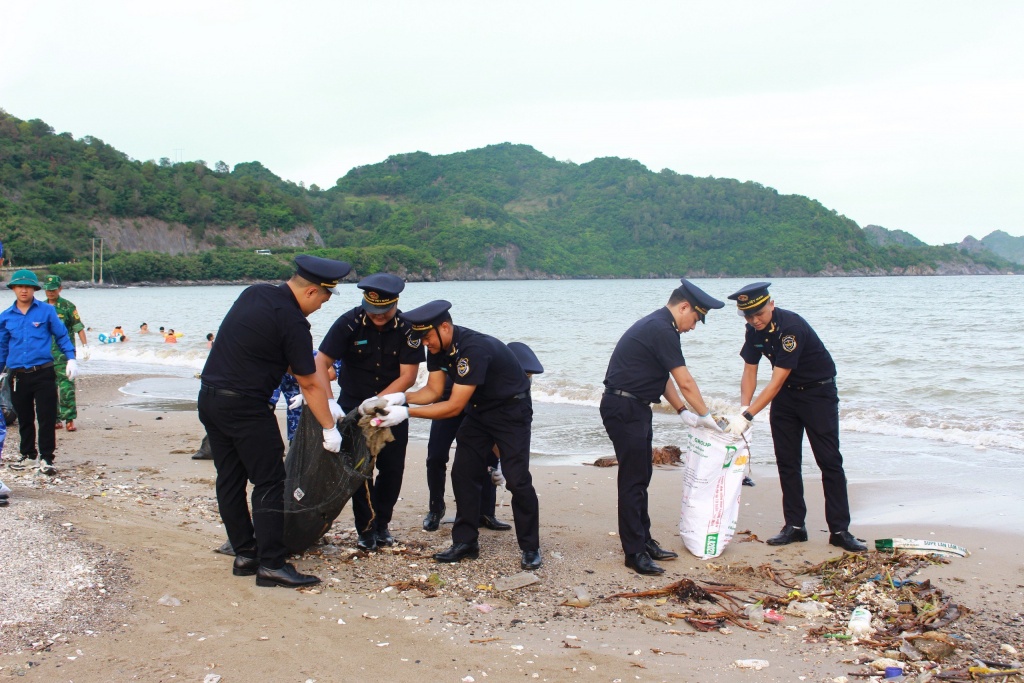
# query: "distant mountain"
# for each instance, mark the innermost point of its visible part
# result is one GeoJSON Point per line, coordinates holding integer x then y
{"type": "Point", "coordinates": [1005, 245]}
{"type": "Point", "coordinates": [881, 237]}
{"type": "Point", "coordinates": [502, 211]}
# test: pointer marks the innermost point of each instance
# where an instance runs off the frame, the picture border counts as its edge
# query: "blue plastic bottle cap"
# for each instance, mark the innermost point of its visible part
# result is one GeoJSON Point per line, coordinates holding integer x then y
{"type": "Point", "coordinates": [893, 672]}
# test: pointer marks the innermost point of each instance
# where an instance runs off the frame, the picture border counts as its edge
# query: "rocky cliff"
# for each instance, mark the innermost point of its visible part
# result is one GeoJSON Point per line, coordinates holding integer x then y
{"type": "Point", "coordinates": [152, 234]}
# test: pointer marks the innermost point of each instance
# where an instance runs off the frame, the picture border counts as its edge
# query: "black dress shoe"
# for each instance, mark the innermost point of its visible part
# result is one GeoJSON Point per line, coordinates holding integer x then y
{"type": "Point", "coordinates": [789, 534]}
{"type": "Point", "coordinates": [384, 537]}
{"type": "Point", "coordinates": [846, 541]}
{"type": "Point", "coordinates": [245, 566]}
{"type": "Point", "coordinates": [458, 551]}
{"type": "Point", "coordinates": [286, 577]}
{"type": "Point", "coordinates": [432, 521]}
{"type": "Point", "coordinates": [657, 552]}
{"type": "Point", "coordinates": [367, 541]}
{"type": "Point", "coordinates": [225, 549]}
{"type": "Point", "coordinates": [747, 481]}
{"type": "Point", "coordinates": [642, 563]}
{"type": "Point", "coordinates": [531, 559]}
{"type": "Point", "coordinates": [493, 523]}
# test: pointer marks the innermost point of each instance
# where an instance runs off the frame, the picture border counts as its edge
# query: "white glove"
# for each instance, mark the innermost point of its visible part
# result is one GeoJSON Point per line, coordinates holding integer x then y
{"type": "Point", "coordinates": [393, 416]}
{"type": "Point", "coordinates": [708, 422]}
{"type": "Point", "coordinates": [738, 424]}
{"type": "Point", "coordinates": [296, 402]}
{"type": "Point", "coordinates": [497, 478]}
{"type": "Point", "coordinates": [337, 412]}
{"type": "Point", "coordinates": [332, 439]}
{"type": "Point", "coordinates": [395, 399]}
{"type": "Point", "coordinates": [689, 418]}
{"type": "Point", "coordinates": [84, 352]}
{"type": "Point", "coordinates": [72, 368]}
{"type": "Point", "coordinates": [367, 407]}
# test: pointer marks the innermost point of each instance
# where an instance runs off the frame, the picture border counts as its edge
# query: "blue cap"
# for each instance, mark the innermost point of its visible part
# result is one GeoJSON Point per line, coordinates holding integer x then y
{"type": "Point", "coordinates": [752, 298]}
{"type": "Point", "coordinates": [427, 317]}
{"type": "Point", "coordinates": [380, 292]}
{"type": "Point", "coordinates": [701, 301]}
{"type": "Point", "coordinates": [322, 271]}
{"type": "Point", "coordinates": [527, 358]}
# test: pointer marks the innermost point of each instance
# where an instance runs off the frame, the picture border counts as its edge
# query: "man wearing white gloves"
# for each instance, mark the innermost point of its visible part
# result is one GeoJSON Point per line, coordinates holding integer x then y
{"type": "Point", "coordinates": [263, 335]}
{"type": "Point", "coordinates": [67, 406]}
{"type": "Point", "coordinates": [26, 330]}
{"type": "Point", "coordinates": [641, 371]}
{"type": "Point", "coordinates": [804, 399]}
{"type": "Point", "coordinates": [491, 387]}
{"type": "Point", "coordinates": [377, 358]}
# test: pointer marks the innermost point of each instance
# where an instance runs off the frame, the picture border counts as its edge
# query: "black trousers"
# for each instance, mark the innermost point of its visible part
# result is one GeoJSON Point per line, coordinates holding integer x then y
{"type": "Point", "coordinates": [36, 392]}
{"type": "Point", "coordinates": [442, 436]}
{"type": "Point", "coordinates": [385, 488]}
{"type": "Point", "coordinates": [629, 426]}
{"type": "Point", "coordinates": [815, 411]}
{"type": "Point", "coordinates": [507, 427]}
{"type": "Point", "coordinates": [246, 445]}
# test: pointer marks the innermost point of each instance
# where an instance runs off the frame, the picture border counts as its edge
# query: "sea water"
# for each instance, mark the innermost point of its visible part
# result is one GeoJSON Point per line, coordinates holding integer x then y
{"type": "Point", "coordinates": [930, 369]}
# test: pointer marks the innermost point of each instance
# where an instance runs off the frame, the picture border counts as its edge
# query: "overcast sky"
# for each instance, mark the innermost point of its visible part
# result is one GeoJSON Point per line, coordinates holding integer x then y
{"type": "Point", "coordinates": [908, 115]}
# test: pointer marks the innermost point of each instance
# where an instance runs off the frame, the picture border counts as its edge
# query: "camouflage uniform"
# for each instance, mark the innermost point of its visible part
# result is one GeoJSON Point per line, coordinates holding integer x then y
{"type": "Point", "coordinates": [67, 408]}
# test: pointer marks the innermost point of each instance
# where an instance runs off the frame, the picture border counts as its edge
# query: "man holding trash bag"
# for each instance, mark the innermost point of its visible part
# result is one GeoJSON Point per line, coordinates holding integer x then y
{"type": "Point", "coordinates": [803, 396]}
{"type": "Point", "coordinates": [263, 335]}
{"type": "Point", "coordinates": [646, 360]}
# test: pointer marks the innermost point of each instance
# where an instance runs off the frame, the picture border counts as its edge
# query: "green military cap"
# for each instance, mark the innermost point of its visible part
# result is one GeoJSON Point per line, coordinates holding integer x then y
{"type": "Point", "coordinates": [52, 282]}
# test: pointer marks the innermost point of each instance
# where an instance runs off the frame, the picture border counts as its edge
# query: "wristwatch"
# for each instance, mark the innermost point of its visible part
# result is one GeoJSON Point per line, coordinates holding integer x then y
{"type": "Point", "coordinates": [748, 416]}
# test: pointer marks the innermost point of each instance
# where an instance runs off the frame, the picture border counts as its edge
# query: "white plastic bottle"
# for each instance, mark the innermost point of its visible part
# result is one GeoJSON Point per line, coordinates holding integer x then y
{"type": "Point", "coordinates": [860, 623]}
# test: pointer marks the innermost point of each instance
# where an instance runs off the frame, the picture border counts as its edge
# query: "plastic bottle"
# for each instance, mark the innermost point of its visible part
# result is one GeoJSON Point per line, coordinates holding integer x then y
{"type": "Point", "coordinates": [860, 623]}
{"type": "Point", "coordinates": [755, 613]}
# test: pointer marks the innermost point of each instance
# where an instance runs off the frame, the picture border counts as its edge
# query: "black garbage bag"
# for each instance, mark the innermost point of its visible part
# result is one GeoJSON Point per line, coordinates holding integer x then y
{"type": "Point", "coordinates": [319, 483]}
{"type": "Point", "coordinates": [6, 406]}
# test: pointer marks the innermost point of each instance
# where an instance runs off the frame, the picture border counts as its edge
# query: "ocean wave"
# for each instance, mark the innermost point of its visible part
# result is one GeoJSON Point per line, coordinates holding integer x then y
{"type": "Point", "coordinates": [193, 359]}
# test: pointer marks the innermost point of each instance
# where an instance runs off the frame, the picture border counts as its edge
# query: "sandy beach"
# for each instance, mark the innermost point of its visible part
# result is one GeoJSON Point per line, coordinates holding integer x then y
{"type": "Point", "coordinates": [115, 579]}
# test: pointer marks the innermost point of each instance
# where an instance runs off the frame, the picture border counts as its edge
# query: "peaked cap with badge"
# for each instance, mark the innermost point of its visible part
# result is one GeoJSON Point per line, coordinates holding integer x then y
{"type": "Point", "coordinates": [52, 282]}
{"type": "Point", "coordinates": [427, 317]}
{"type": "Point", "coordinates": [380, 292]}
{"type": "Point", "coordinates": [701, 301]}
{"type": "Point", "coordinates": [752, 298]}
{"type": "Point", "coordinates": [322, 271]}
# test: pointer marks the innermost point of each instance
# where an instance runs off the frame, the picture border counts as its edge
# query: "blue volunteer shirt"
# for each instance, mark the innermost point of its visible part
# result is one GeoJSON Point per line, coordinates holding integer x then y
{"type": "Point", "coordinates": [25, 337]}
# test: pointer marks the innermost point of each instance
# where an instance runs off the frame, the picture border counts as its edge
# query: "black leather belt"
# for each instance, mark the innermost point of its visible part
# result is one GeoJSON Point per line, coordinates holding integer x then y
{"type": "Point", "coordinates": [33, 368]}
{"type": "Point", "coordinates": [626, 394]}
{"type": "Point", "coordinates": [214, 391]}
{"type": "Point", "coordinates": [811, 385]}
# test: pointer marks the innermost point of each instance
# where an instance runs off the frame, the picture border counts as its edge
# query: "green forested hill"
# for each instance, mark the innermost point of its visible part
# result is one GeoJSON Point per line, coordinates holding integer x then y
{"type": "Point", "coordinates": [501, 211]}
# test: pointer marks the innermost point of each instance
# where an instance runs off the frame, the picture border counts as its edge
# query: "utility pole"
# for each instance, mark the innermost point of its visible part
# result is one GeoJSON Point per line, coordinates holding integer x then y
{"type": "Point", "coordinates": [94, 259]}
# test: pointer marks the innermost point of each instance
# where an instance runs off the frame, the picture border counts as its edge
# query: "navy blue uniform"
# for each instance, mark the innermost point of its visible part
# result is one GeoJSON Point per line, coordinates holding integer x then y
{"type": "Point", "coordinates": [807, 402]}
{"type": "Point", "coordinates": [640, 366]}
{"type": "Point", "coordinates": [442, 436]}
{"type": "Point", "coordinates": [263, 334]}
{"type": "Point", "coordinates": [371, 360]}
{"type": "Point", "coordinates": [500, 412]}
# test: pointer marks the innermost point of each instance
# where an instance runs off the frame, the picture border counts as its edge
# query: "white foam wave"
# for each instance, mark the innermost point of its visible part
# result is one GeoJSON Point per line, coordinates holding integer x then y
{"type": "Point", "coordinates": [193, 359]}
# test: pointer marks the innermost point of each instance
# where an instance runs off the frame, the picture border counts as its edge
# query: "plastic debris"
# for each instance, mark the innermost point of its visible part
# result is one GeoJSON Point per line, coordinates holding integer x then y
{"type": "Point", "coordinates": [580, 599]}
{"type": "Point", "coordinates": [860, 623]}
{"type": "Point", "coordinates": [921, 546]}
{"type": "Point", "coordinates": [169, 601]}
